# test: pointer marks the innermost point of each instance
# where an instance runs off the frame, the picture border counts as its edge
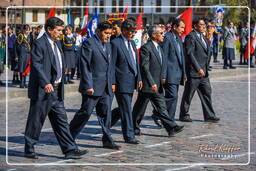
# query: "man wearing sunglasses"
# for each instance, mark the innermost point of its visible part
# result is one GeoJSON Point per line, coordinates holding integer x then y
{"type": "Point", "coordinates": [153, 73]}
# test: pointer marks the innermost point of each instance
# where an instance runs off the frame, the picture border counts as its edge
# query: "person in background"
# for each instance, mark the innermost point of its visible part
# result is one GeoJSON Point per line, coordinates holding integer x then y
{"type": "Point", "coordinates": [116, 29]}
{"type": "Point", "coordinates": [229, 38]}
{"type": "Point", "coordinates": [68, 46]}
{"type": "Point", "coordinates": [23, 48]}
{"type": "Point", "coordinates": [209, 37]}
{"type": "Point", "coordinates": [12, 56]}
{"type": "Point", "coordinates": [2, 53]}
{"type": "Point", "coordinates": [79, 41]}
{"type": "Point", "coordinates": [244, 37]}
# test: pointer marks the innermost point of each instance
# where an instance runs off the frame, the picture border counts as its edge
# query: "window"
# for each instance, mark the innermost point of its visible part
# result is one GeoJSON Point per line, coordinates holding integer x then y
{"type": "Point", "coordinates": [133, 4]}
{"type": "Point", "coordinates": [102, 5]}
{"type": "Point", "coordinates": [34, 15]}
{"type": "Point", "coordinates": [173, 3]}
{"type": "Point", "coordinates": [141, 2]}
{"type": "Point", "coordinates": [158, 3]}
{"type": "Point", "coordinates": [114, 5]}
{"type": "Point", "coordinates": [121, 4]}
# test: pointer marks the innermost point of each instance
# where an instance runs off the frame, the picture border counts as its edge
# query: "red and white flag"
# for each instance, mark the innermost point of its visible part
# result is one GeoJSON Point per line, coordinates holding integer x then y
{"type": "Point", "coordinates": [138, 36]}
{"type": "Point", "coordinates": [187, 17]}
{"type": "Point", "coordinates": [125, 13]}
{"type": "Point", "coordinates": [85, 19]}
{"type": "Point", "coordinates": [252, 44]}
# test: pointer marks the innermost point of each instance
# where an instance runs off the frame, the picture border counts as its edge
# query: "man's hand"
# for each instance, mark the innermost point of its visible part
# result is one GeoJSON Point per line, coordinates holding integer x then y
{"type": "Point", "coordinates": [185, 80]}
{"type": "Point", "coordinates": [163, 81]}
{"type": "Point", "coordinates": [113, 88]}
{"type": "Point", "coordinates": [140, 85]}
{"type": "Point", "coordinates": [16, 59]}
{"type": "Point", "coordinates": [154, 88]}
{"type": "Point", "coordinates": [48, 88]}
{"type": "Point", "coordinates": [90, 91]}
{"type": "Point", "coordinates": [201, 73]}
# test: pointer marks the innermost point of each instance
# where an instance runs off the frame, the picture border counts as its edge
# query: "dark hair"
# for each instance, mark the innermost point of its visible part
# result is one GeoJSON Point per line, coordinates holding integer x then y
{"type": "Point", "coordinates": [104, 26]}
{"type": "Point", "coordinates": [25, 27]}
{"type": "Point", "coordinates": [40, 27]}
{"type": "Point", "coordinates": [176, 22]}
{"type": "Point", "coordinates": [117, 22]}
{"type": "Point", "coordinates": [68, 27]}
{"type": "Point", "coordinates": [10, 28]}
{"type": "Point", "coordinates": [78, 30]}
{"type": "Point", "coordinates": [52, 22]}
{"type": "Point", "coordinates": [152, 30]}
{"type": "Point", "coordinates": [197, 20]}
{"type": "Point", "coordinates": [229, 22]}
{"type": "Point", "coordinates": [129, 24]}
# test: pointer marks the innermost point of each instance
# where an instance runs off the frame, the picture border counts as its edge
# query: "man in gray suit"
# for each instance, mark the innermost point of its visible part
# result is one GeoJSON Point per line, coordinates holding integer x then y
{"type": "Point", "coordinates": [153, 73]}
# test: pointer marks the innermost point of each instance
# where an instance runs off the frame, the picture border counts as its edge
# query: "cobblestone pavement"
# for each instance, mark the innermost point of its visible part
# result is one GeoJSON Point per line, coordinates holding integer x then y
{"type": "Point", "coordinates": [156, 152]}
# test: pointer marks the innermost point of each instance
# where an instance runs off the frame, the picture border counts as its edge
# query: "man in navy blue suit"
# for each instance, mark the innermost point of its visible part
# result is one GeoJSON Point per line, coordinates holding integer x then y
{"type": "Point", "coordinates": [176, 75]}
{"type": "Point", "coordinates": [127, 77]}
{"type": "Point", "coordinates": [96, 83]}
{"type": "Point", "coordinates": [46, 92]}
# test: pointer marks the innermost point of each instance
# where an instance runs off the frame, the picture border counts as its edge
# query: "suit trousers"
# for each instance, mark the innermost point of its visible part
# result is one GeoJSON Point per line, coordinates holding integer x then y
{"type": "Point", "coordinates": [103, 110]}
{"type": "Point", "coordinates": [56, 112]}
{"type": "Point", "coordinates": [203, 88]}
{"type": "Point", "coordinates": [124, 101]}
{"type": "Point", "coordinates": [159, 105]}
{"type": "Point", "coordinates": [171, 98]}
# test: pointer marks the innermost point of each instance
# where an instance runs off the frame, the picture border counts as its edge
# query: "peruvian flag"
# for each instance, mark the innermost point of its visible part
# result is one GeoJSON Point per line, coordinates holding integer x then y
{"type": "Point", "coordinates": [51, 13]}
{"type": "Point", "coordinates": [187, 17]}
{"type": "Point", "coordinates": [252, 44]}
{"type": "Point", "coordinates": [125, 13]}
{"type": "Point", "coordinates": [137, 37]}
{"type": "Point", "coordinates": [85, 19]}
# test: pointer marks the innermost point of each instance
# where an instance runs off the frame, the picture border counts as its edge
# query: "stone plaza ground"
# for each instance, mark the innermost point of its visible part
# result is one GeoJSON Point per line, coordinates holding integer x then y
{"type": "Point", "coordinates": [226, 145]}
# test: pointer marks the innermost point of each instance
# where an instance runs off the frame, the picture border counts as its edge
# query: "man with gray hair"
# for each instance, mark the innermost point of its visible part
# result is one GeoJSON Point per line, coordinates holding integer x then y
{"type": "Point", "coordinates": [153, 73]}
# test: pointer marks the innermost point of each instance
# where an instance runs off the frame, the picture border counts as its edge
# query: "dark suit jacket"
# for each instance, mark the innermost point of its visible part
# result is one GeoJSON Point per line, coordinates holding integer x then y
{"type": "Point", "coordinates": [197, 55]}
{"type": "Point", "coordinates": [175, 60]}
{"type": "Point", "coordinates": [96, 67]}
{"type": "Point", "coordinates": [152, 70]}
{"type": "Point", "coordinates": [43, 69]}
{"type": "Point", "coordinates": [125, 78]}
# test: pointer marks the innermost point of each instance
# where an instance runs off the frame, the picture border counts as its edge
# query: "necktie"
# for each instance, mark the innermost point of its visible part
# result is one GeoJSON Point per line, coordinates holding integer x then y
{"type": "Point", "coordinates": [56, 55]}
{"type": "Point", "coordinates": [132, 57]}
{"type": "Point", "coordinates": [202, 39]}
{"type": "Point", "coordinates": [160, 54]}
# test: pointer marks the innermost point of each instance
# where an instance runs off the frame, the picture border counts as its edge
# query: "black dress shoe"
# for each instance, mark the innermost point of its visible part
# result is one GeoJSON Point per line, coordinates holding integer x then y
{"type": "Point", "coordinates": [232, 67]}
{"type": "Point", "coordinates": [225, 67]}
{"type": "Point", "coordinates": [157, 121]}
{"type": "Point", "coordinates": [71, 82]}
{"type": "Point", "coordinates": [31, 155]}
{"type": "Point", "coordinates": [134, 141]}
{"type": "Point", "coordinates": [186, 119]}
{"type": "Point", "coordinates": [175, 130]}
{"type": "Point", "coordinates": [111, 146]}
{"type": "Point", "coordinates": [75, 154]}
{"type": "Point", "coordinates": [212, 119]}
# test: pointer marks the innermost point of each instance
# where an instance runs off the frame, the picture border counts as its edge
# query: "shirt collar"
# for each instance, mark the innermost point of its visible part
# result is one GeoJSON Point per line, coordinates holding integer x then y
{"type": "Point", "coordinates": [156, 44]}
{"type": "Point", "coordinates": [49, 38]}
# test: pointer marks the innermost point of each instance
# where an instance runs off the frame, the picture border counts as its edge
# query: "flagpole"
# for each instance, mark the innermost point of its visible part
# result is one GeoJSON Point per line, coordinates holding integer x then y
{"type": "Point", "coordinates": [82, 10]}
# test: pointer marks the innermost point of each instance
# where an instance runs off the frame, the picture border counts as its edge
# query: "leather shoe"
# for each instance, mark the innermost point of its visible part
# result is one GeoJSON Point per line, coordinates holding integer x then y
{"type": "Point", "coordinates": [75, 154]}
{"type": "Point", "coordinates": [133, 141]}
{"type": "Point", "coordinates": [212, 119]}
{"type": "Point", "coordinates": [31, 155]}
{"type": "Point", "coordinates": [111, 146]}
{"type": "Point", "coordinates": [186, 119]}
{"type": "Point", "coordinates": [175, 130]}
{"type": "Point", "coordinates": [225, 67]}
{"type": "Point", "coordinates": [232, 67]}
{"type": "Point", "coordinates": [157, 121]}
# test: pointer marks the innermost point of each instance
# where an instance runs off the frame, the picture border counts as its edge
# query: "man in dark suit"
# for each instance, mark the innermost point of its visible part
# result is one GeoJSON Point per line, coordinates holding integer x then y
{"type": "Point", "coordinates": [46, 92]}
{"type": "Point", "coordinates": [153, 73]}
{"type": "Point", "coordinates": [127, 77]}
{"type": "Point", "coordinates": [176, 75]}
{"type": "Point", "coordinates": [96, 83]}
{"type": "Point", "coordinates": [197, 56]}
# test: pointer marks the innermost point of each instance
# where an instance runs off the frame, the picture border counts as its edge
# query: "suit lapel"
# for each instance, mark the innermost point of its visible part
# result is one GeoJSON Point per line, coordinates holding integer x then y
{"type": "Point", "coordinates": [153, 47]}
{"type": "Point", "coordinates": [176, 48]}
{"type": "Point", "coordinates": [200, 42]}
{"type": "Point", "coordinates": [125, 51]}
{"type": "Point", "coordinates": [51, 54]}
{"type": "Point", "coordinates": [100, 48]}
